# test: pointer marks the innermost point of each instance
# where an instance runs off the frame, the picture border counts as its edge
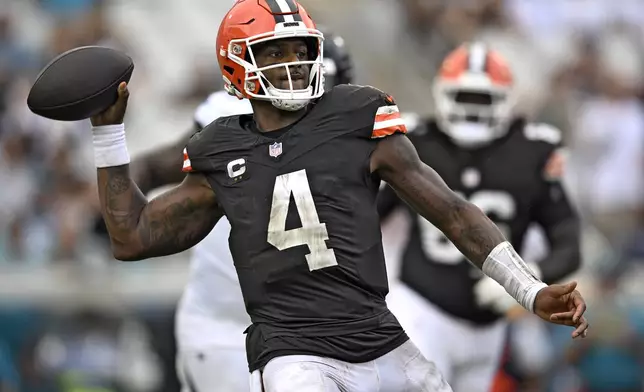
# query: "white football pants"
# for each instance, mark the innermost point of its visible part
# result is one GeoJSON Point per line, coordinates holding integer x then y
{"type": "Point", "coordinates": [467, 355]}
{"type": "Point", "coordinates": [401, 370]}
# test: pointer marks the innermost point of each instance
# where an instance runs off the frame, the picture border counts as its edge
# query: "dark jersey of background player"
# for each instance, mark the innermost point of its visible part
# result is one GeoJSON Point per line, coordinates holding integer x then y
{"type": "Point", "coordinates": [507, 179]}
{"type": "Point", "coordinates": [332, 305]}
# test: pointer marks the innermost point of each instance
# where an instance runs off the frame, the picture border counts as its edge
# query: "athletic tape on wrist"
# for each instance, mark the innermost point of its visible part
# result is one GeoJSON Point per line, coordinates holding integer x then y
{"type": "Point", "coordinates": [110, 148]}
{"type": "Point", "coordinates": [504, 265]}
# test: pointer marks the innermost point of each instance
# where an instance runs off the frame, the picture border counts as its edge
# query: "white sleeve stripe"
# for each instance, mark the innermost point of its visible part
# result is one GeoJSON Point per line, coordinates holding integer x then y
{"type": "Point", "coordinates": [186, 160]}
{"type": "Point", "coordinates": [388, 123]}
{"type": "Point", "coordinates": [390, 109]}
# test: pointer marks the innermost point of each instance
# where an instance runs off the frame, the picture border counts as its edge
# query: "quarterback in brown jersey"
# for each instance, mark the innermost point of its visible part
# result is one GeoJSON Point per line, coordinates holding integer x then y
{"type": "Point", "coordinates": [298, 181]}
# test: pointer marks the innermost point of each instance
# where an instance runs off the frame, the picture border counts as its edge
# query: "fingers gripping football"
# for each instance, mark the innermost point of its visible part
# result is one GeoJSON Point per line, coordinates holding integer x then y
{"type": "Point", "coordinates": [115, 113]}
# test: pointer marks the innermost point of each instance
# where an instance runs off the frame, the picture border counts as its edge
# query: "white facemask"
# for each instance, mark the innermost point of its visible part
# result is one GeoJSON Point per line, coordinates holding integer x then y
{"type": "Point", "coordinates": [293, 104]}
{"type": "Point", "coordinates": [470, 134]}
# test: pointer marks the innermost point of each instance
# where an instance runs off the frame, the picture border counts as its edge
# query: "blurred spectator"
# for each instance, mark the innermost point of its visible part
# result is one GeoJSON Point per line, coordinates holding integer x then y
{"type": "Point", "coordinates": [14, 58]}
{"type": "Point", "coordinates": [611, 358]}
{"type": "Point", "coordinates": [9, 378]}
{"type": "Point", "coordinates": [49, 164]}
{"type": "Point", "coordinates": [206, 80]}
{"type": "Point", "coordinates": [16, 175]}
{"type": "Point", "coordinates": [454, 22]}
{"type": "Point", "coordinates": [608, 141]}
{"type": "Point", "coordinates": [57, 176]}
{"type": "Point", "coordinates": [93, 28]}
{"type": "Point", "coordinates": [86, 26]}
{"type": "Point", "coordinates": [92, 350]}
{"type": "Point", "coordinates": [67, 8]}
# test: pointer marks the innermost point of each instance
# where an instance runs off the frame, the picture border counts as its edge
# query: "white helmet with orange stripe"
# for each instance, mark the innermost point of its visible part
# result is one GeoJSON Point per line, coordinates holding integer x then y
{"type": "Point", "coordinates": [474, 95]}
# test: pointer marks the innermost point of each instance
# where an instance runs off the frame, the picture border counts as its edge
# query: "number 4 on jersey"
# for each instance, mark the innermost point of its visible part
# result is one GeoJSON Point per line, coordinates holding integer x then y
{"type": "Point", "coordinates": [312, 233]}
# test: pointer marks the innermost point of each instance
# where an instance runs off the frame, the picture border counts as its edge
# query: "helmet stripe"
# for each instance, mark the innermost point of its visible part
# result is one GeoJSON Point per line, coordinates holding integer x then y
{"type": "Point", "coordinates": [477, 59]}
{"type": "Point", "coordinates": [292, 6]}
{"type": "Point", "coordinates": [275, 10]}
{"type": "Point", "coordinates": [285, 10]}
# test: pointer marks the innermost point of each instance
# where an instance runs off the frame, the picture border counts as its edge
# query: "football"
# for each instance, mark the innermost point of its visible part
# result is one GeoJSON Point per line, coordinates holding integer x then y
{"type": "Point", "coordinates": [79, 83]}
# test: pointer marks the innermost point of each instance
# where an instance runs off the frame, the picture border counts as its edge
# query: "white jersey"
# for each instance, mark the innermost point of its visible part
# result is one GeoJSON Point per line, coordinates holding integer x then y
{"type": "Point", "coordinates": [211, 311]}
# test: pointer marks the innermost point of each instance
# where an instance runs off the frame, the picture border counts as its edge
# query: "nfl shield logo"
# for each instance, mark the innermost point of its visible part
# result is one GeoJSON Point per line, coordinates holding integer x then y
{"type": "Point", "coordinates": [275, 150]}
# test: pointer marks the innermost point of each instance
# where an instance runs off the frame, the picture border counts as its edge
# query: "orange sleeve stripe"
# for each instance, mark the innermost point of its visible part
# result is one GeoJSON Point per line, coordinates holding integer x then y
{"type": "Point", "coordinates": [388, 121]}
{"type": "Point", "coordinates": [187, 165]}
{"type": "Point", "coordinates": [397, 127]}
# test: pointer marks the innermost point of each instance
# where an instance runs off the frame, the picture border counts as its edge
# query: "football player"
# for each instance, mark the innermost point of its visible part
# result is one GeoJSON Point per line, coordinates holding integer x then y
{"type": "Point", "coordinates": [298, 181]}
{"type": "Point", "coordinates": [511, 169]}
{"type": "Point", "coordinates": [210, 317]}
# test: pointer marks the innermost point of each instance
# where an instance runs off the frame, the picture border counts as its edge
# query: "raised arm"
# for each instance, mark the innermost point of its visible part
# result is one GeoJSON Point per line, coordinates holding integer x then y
{"type": "Point", "coordinates": [138, 228]}
{"type": "Point", "coordinates": [396, 161]}
{"type": "Point", "coordinates": [170, 223]}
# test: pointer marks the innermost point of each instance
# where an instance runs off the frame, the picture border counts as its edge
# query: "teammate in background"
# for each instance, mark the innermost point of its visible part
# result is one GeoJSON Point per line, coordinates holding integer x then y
{"type": "Point", "coordinates": [210, 317]}
{"type": "Point", "coordinates": [298, 181]}
{"type": "Point", "coordinates": [511, 169]}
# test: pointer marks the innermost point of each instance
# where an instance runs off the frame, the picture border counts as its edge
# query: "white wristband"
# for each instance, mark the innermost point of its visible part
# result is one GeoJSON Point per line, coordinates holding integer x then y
{"type": "Point", "coordinates": [504, 265]}
{"type": "Point", "coordinates": [109, 146]}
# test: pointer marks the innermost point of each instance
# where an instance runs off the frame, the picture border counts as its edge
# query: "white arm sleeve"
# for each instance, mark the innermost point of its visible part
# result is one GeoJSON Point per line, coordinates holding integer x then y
{"type": "Point", "coordinates": [504, 265]}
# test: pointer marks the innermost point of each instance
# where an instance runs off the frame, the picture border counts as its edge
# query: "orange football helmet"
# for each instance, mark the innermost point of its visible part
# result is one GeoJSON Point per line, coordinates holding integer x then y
{"type": "Point", "coordinates": [474, 97]}
{"type": "Point", "coordinates": [251, 22]}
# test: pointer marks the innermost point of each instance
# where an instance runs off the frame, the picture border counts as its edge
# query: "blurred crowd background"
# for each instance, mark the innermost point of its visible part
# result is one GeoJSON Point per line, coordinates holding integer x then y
{"type": "Point", "coordinates": [73, 319]}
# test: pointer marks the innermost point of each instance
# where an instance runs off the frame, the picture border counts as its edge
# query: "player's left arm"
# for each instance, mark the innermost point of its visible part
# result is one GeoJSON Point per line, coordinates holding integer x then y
{"type": "Point", "coordinates": [396, 161]}
{"type": "Point", "coordinates": [560, 222]}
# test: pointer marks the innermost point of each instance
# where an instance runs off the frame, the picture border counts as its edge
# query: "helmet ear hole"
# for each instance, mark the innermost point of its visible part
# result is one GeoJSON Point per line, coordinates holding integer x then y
{"type": "Point", "coordinates": [230, 71]}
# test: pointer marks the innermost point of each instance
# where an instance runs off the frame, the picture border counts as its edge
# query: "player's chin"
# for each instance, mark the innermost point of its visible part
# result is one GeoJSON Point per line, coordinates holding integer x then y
{"type": "Point", "coordinates": [298, 84]}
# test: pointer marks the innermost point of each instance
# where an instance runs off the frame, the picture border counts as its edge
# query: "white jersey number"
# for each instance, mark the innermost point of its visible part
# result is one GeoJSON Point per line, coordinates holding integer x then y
{"type": "Point", "coordinates": [312, 233]}
{"type": "Point", "coordinates": [439, 249]}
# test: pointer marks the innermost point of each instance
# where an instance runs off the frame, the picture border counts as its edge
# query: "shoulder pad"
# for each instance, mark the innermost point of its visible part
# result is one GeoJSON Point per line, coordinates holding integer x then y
{"type": "Point", "coordinates": [542, 132]}
{"type": "Point", "coordinates": [220, 104]}
{"type": "Point", "coordinates": [371, 110]}
{"type": "Point", "coordinates": [359, 94]}
{"type": "Point", "coordinates": [216, 137]}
